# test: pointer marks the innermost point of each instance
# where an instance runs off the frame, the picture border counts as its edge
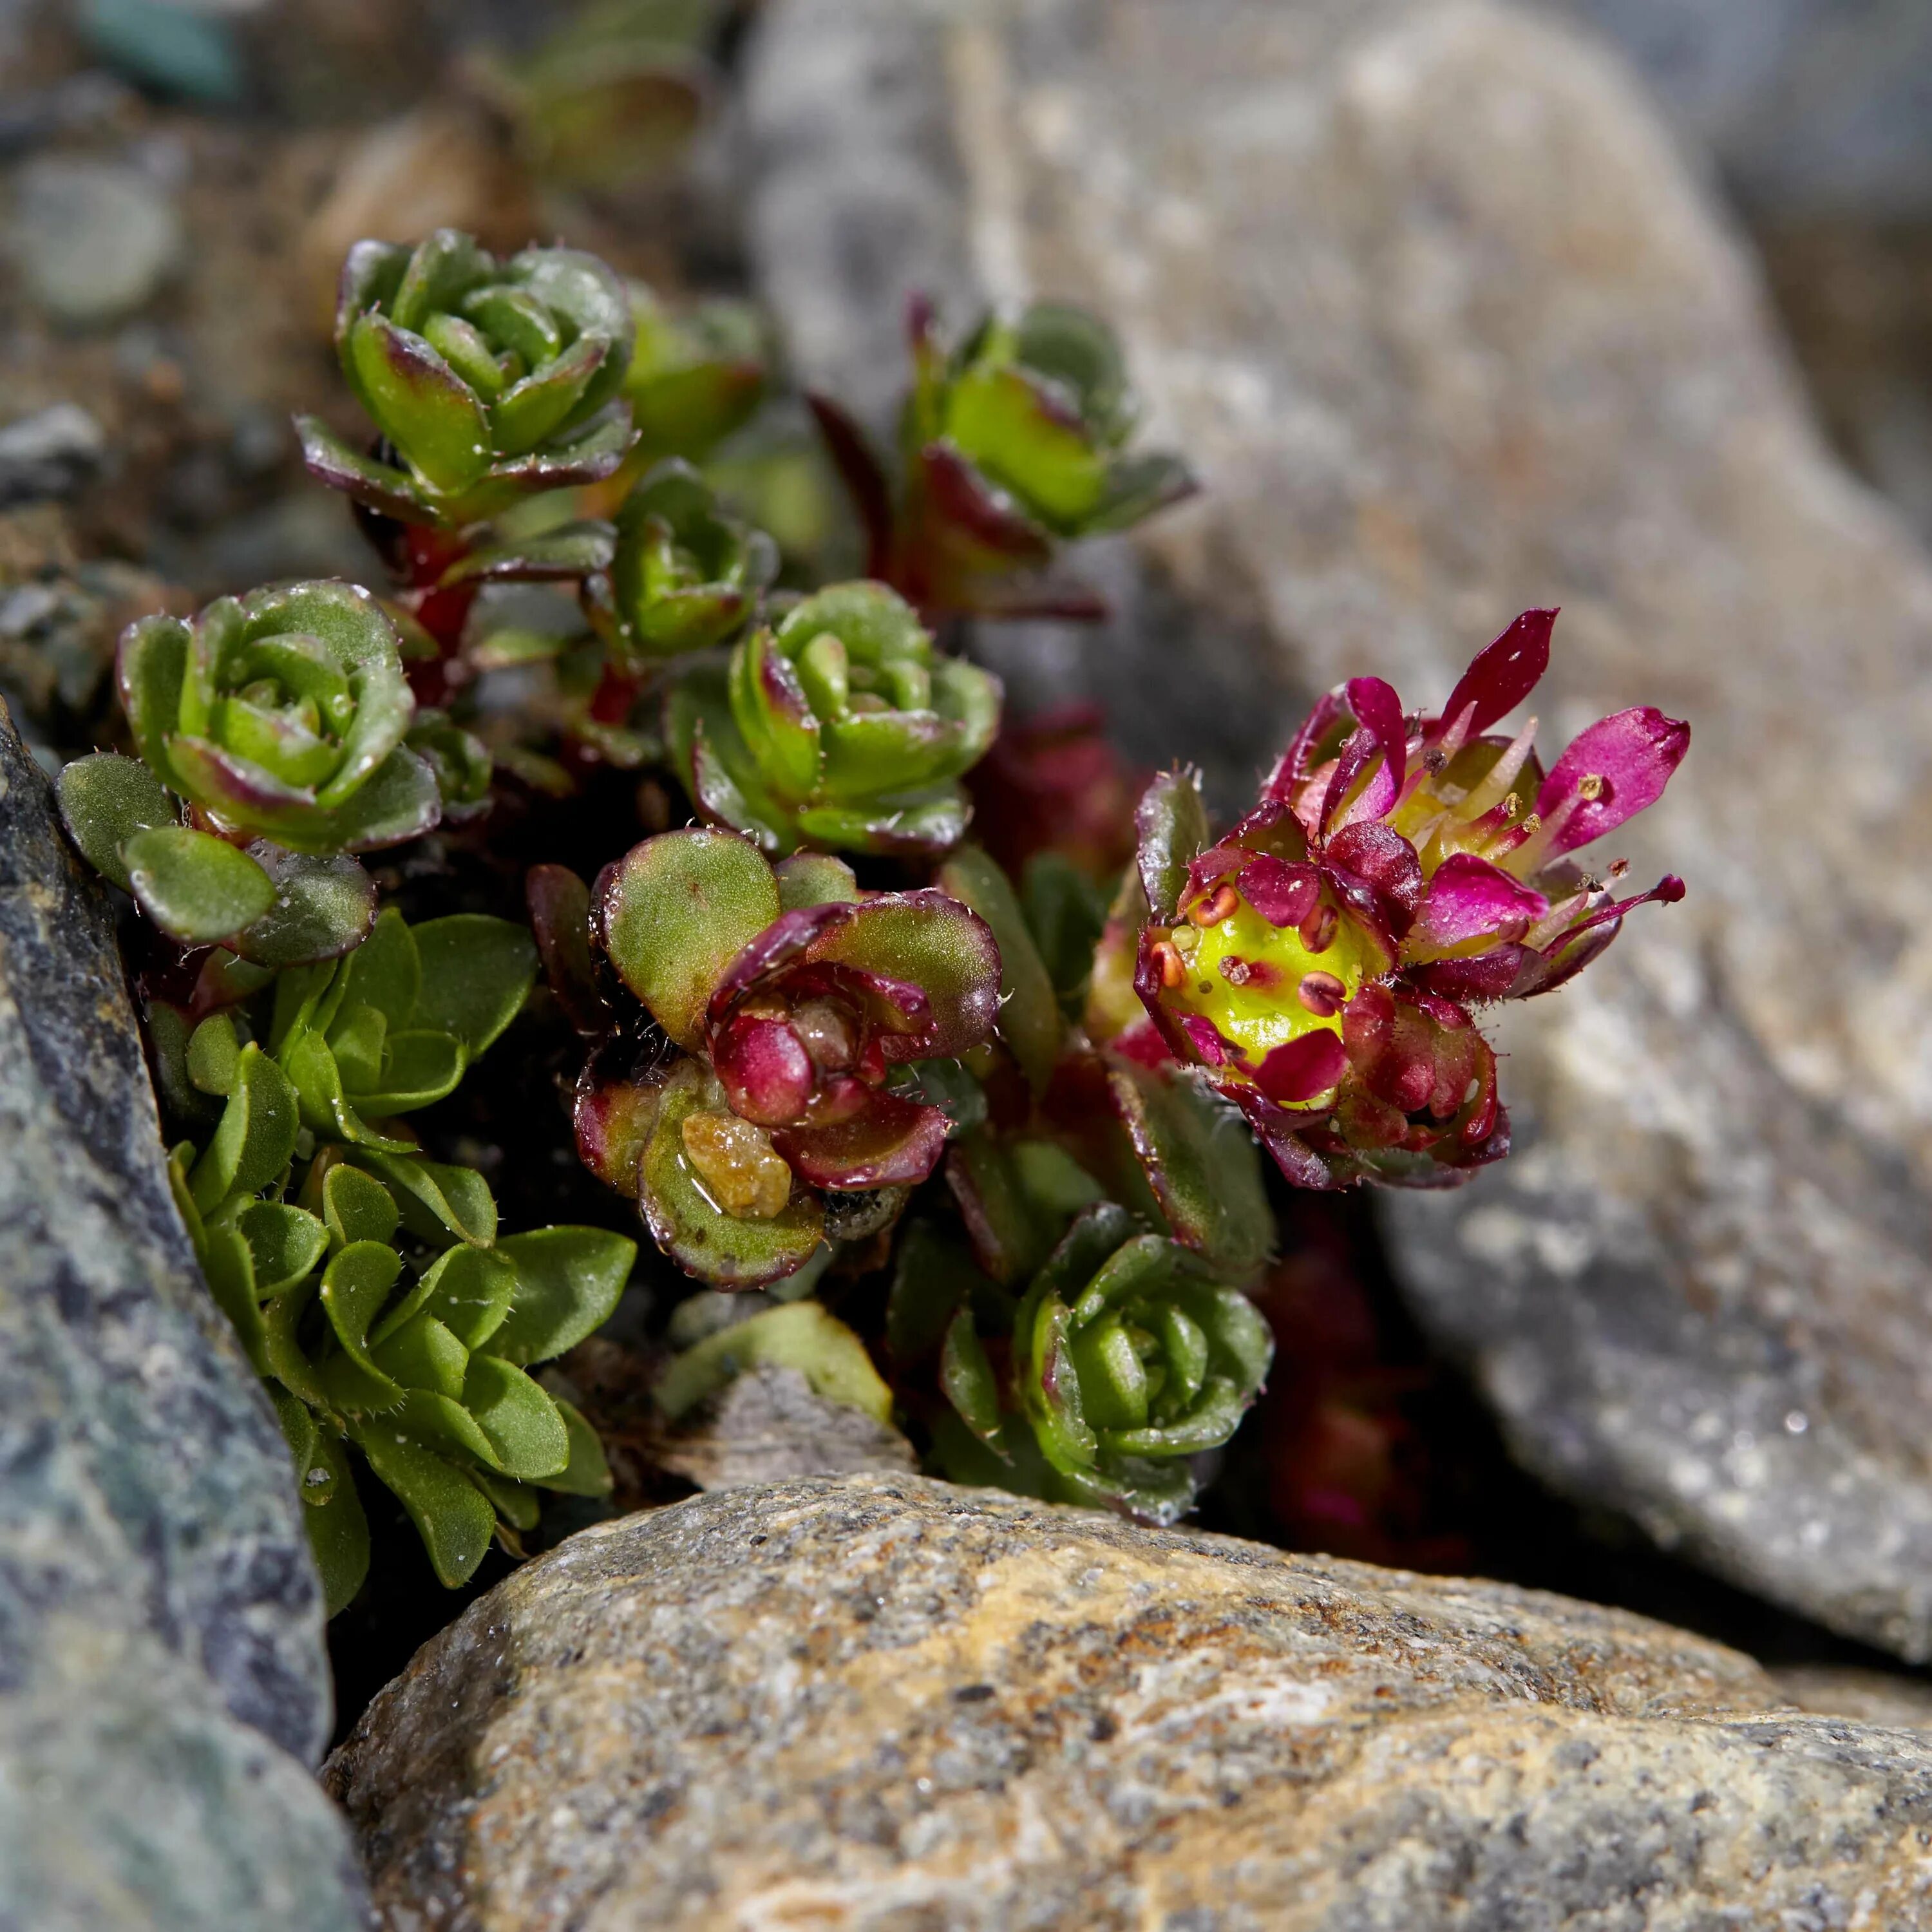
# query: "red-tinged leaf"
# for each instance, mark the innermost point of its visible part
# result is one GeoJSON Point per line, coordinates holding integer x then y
{"type": "Point", "coordinates": [863, 476]}
{"type": "Point", "coordinates": [961, 496]}
{"type": "Point", "coordinates": [1502, 675]}
{"type": "Point", "coordinates": [560, 909]}
{"type": "Point", "coordinates": [893, 1142]}
{"type": "Point", "coordinates": [1629, 756]}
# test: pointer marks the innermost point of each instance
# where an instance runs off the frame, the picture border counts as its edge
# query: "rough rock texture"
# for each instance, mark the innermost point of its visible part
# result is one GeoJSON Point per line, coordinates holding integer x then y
{"type": "Point", "coordinates": [1849, 1691]}
{"type": "Point", "coordinates": [1425, 292]}
{"type": "Point", "coordinates": [160, 1625]}
{"type": "Point", "coordinates": [768, 1424]}
{"type": "Point", "coordinates": [886, 1702]}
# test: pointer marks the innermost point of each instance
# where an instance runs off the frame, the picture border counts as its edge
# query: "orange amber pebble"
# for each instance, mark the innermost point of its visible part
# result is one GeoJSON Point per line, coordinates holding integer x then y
{"type": "Point", "coordinates": [737, 1165]}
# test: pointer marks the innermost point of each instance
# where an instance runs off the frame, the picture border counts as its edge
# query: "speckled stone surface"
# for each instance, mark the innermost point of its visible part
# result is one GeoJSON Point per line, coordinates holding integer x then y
{"type": "Point", "coordinates": [163, 1682]}
{"type": "Point", "coordinates": [884, 1703]}
{"type": "Point", "coordinates": [1451, 329]}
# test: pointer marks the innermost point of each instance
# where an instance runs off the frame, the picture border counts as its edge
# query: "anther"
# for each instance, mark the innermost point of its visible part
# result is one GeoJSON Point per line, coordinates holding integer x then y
{"type": "Point", "coordinates": [1168, 963]}
{"type": "Point", "coordinates": [1220, 905]}
{"type": "Point", "coordinates": [1322, 993]}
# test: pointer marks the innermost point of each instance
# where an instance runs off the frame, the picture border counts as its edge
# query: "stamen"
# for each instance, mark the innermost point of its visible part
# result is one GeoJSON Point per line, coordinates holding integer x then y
{"type": "Point", "coordinates": [1220, 905]}
{"type": "Point", "coordinates": [1168, 963]}
{"type": "Point", "coordinates": [1236, 970]}
{"type": "Point", "coordinates": [1318, 929]}
{"type": "Point", "coordinates": [1322, 993]}
{"type": "Point", "coordinates": [1502, 775]}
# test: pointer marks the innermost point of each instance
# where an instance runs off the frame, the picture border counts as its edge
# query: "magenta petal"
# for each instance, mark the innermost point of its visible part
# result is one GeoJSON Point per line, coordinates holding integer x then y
{"type": "Point", "coordinates": [892, 1142]}
{"type": "Point", "coordinates": [1379, 710]}
{"type": "Point", "coordinates": [1283, 894]}
{"type": "Point", "coordinates": [1470, 898]}
{"type": "Point", "coordinates": [1319, 739]}
{"type": "Point", "coordinates": [1298, 1071]}
{"type": "Point", "coordinates": [1361, 752]}
{"type": "Point", "coordinates": [1633, 753]}
{"type": "Point", "coordinates": [1488, 976]}
{"type": "Point", "coordinates": [1381, 855]}
{"type": "Point", "coordinates": [1504, 674]}
{"type": "Point", "coordinates": [1205, 1039]}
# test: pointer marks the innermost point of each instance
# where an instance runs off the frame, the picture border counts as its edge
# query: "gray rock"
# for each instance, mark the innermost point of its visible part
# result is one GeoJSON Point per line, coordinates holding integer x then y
{"type": "Point", "coordinates": [1848, 1691]}
{"type": "Point", "coordinates": [1425, 290]}
{"type": "Point", "coordinates": [767, 1424]}
{"type": "Point", "coordinates": [162, 1677]}
{"type": "Point", "coordinates": [92, 240]}
{"type": "Point", "coordinates": [51, 453]}
{"type": "Point", "coordinates": [1809, 106]}
{"type": "Point", "coordinates": [885, 1703]}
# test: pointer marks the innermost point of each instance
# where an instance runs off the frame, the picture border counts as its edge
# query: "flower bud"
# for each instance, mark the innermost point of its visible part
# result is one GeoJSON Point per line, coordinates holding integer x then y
{"type": "Point", "coordinates": [841, 729]}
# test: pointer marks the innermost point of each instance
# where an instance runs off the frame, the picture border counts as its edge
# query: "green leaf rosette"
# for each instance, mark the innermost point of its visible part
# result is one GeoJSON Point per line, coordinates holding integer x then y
{"type": "Point", "coordinates": [1124, 1356]}
{"type": "Point", "coordinates": [1025, 424]}
{"type": "Point", "coordinates": [388, 1316]}
{"type": "Point", "coordinates": [281, 719]}
{"type": "Point", "coordinates": [490, 380]}
{"type": "Point", "coordinates": [841, 729]}
{"type": "Point", "coordinates": [394, 1027]}
{"type": "Point", "coordinates": [695, 376]}
{"type": "Point", "coordinates": [282, 715]}
{"type": "Point", "coordinates": [684, 576]}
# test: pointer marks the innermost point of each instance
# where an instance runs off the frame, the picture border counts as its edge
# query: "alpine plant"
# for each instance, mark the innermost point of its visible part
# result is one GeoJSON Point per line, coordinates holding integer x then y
{"type": "Point", "coordinates": [1321, 960]}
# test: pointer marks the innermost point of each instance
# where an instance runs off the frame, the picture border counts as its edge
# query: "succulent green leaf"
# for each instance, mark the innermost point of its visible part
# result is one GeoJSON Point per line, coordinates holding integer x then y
{"type": "Point", "coordinates": [676, 912]}
{"type": "Point", "coordinates": [105, 799]}
{"type": "Point", "coordinates": [338, 1531]}
{"type": "Point", "coordinates": [1172, 823]}
{"type": "Point", "coordinates": [213, 1055]}
{"type": "Point", "coordinates": [568, 1281]}
{"type": "Point", "coordinates": [470, 1291]}
{"type": "Point", "coordinates": [378, 486]}
{"type": "Point", "coordinates": [967, 1377]}
{"type": "Point", "coordinates": [519, 1419]}
{"type": "Point", "coordinates": [452, 1515]}
{"type": "Point", "coordinates": [255, 1138]}
{"type": "Point", "coordinates": [323, 907]}
{"type": "Point", "coordinates": [935, 1277]}
{"type": "Point", "coordinates": [226, 1261]}
{"type": "Point", "coordinates": [1201, 1165]}
{"type": "Point", "coordinates": [1029, 1020]}
{"type": "Point", "coordinates": [814, 878]}
{"type": "Point", "coordinates": [776, 720]}
{"type": "Point", "coordinates": [438, 1419]}
{"type": "Point", "coordinates": [801, 1335]}
{"type": "Point", "coordinates": [1049, 1383]}
{"type": "Point", "coordinates": [476, 973]}
{"type": "Point", "coordinates": [423, 407]}
{"type": "Point", "coordinates": [151, 669]}
{"type": "Point", "coordinates": [416, 1069]}
{"type": "Point", "coordinates": [385, 972]}
{"type": "Point", "coordinates": [440, 1204]}
{"type": "Point", "coordinates": [424, 1354]}
{"type": "Point", "coordinates": [516, 1503]}
{"type": "Point", "coordinates": [689, 1227]}
{"type": "Point", "coordinates": [569, 550]}
{"type": "Point", "coordinates": [586, 1473]}
{"type": "Point", "coordinates": [438, 273]}
{"type": "Point", "coordinates": [355, 1285]}
{"type": "Point", "coordinates": [399, 800]}
{"type": "Point", "coordinates": [532, 411]}
{"type": "Point", "coordinates": [285, 1245]}
{"type": "Point", "coordinates": [281, 1346]}
{"type": "Point", "coordinates": [325, 1108]}
{"type": "Point", "coordinates": [357, 1207]}
{"type": "Point", "coordinates": [195, 887]}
